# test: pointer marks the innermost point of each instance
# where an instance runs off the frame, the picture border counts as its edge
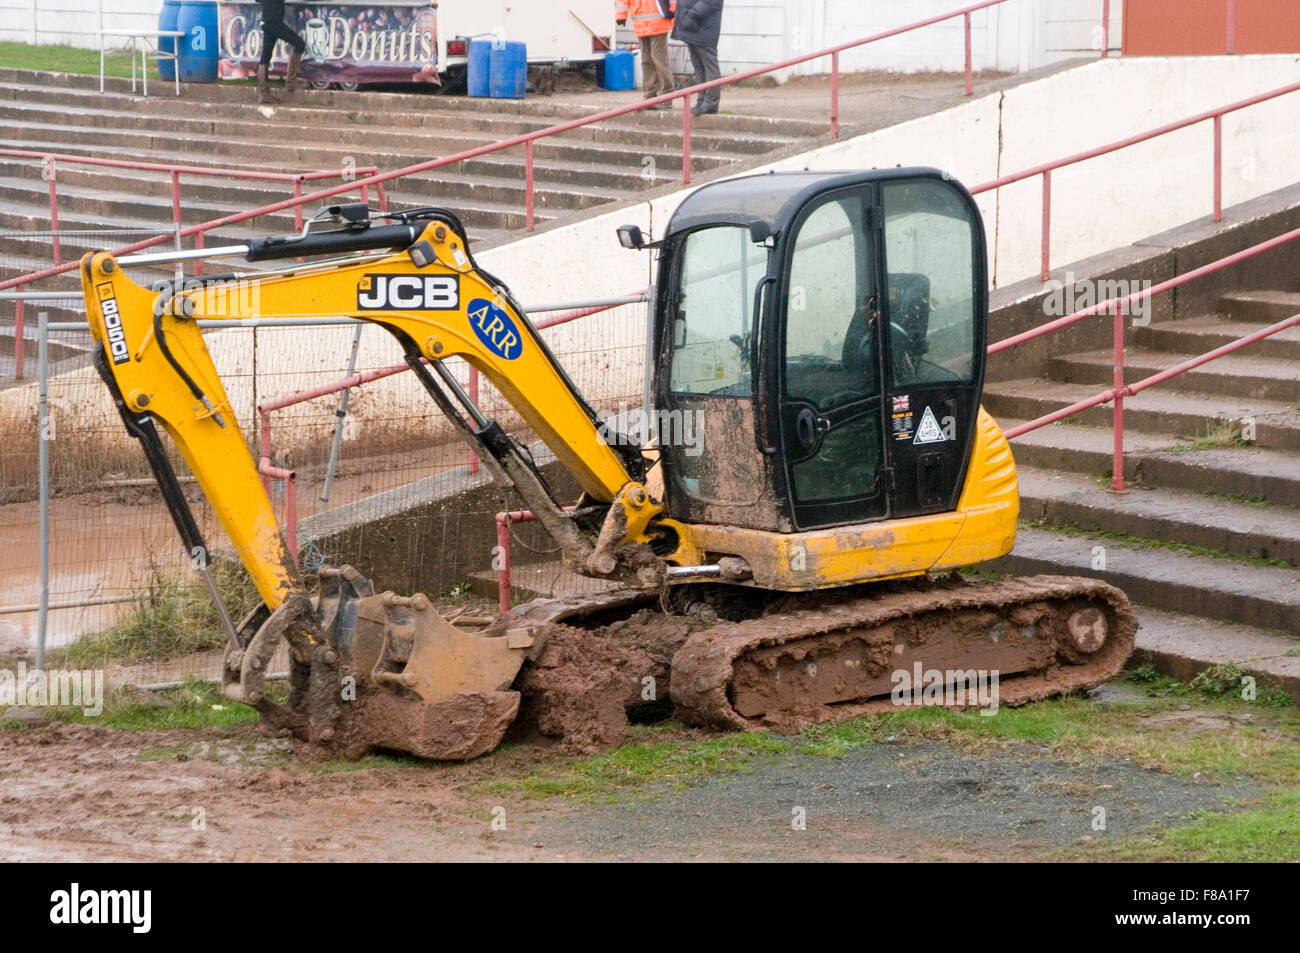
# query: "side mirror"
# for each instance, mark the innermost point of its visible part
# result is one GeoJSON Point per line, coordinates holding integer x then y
{"type": "Point", "coordinates": [759, 232]}
{"type": "Point", "coordinates": [629, 236]}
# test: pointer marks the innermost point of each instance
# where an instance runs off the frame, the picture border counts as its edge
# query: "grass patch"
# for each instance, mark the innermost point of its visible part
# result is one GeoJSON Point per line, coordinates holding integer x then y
{"type": "Point", "coordinates": [634, 767]}
{"type": "Point", "coordinates": [1268, 832]}
{"type": "Point", "coordinates": [196, 704]}
{"type": "Point", "coordinates": [171, 618]}
{"type": "Point", "coordinates": [1222, 437]}
{"type": "Point", "coordinates": [65, 59]}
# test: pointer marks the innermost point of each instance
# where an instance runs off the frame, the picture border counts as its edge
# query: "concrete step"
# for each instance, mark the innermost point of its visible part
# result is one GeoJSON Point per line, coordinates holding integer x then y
{"type": "Point", "coordinates": [1182, 646]}
{"type": "Point", "coordinates": [38, 86]}
{"type": "Point", "coordinates": [1169, 408]}
{"type": "Point", "coordinates": [1203, 334]}
{"type": "Point", "coordinates": [1207, 586]}
{"type": "Point", "coordinates": [1266, 307]}
{"type": "Point", "coordinates": [251, 193]}
{"type": "Point", "coordinates": [308, 148]}
{"type": "Point", "coordinates": [431, 131]}
{"type": "Point", "coordinates": [1234, 375]}
{"type": "Point", "coordinates": [1250, 473]}
{"type": "Point", "coordinates": [114, 205]}
{"type": "Point", "coordinates": [1174, 516]}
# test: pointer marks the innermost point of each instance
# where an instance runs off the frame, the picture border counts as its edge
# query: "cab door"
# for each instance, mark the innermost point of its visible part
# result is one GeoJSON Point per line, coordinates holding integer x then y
{"type": "Point", "coordinates": [830, 395]}
{"type": "Point", "coordinates": [934, 314]}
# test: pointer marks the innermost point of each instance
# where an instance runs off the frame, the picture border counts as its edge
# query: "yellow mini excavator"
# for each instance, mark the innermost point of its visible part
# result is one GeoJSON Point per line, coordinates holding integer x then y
{"type": "Point", "coordinates": [826, 332]}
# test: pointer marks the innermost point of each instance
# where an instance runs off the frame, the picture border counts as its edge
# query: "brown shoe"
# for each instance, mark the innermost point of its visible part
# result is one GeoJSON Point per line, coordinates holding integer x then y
{"type": "Point", "coordinates": [264, 94]}
{"type": "Point", "coordinates": [291, 84]}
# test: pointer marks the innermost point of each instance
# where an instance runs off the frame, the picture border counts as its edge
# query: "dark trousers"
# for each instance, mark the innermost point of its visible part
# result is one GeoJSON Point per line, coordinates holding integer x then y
{"type": "Point", "coordinates": [274, 28]}
{"type": "Point", "coordinates": [705, 61]}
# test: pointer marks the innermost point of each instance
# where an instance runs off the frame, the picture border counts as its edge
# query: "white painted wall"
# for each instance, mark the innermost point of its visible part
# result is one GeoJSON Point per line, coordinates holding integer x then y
{"type": "Point", "coordinates": [1013, 36]}
{"type": "Point", "coordinates": [1017, 35]}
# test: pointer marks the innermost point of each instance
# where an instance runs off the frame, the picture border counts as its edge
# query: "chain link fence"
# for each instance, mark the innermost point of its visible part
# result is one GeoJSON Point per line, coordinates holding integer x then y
{"type": "Point", "coordinates": [118, 588]}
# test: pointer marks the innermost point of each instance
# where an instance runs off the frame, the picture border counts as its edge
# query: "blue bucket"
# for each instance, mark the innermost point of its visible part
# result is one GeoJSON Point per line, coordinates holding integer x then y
{"type": "Point", "coordinates": [199, 51]}
{"type": "Point", "coordinates": [478, 72]}
{"type": "Point", "coordinates": [509, 72]}
{"type": "Point", "coordinates": [171, 10]}
{"type": "Point", "coordinates": [618, 70]}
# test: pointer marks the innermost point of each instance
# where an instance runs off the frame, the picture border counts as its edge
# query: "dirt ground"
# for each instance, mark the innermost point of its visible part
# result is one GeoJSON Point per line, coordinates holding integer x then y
{"type": "Point", "coordinates": [74, 791]}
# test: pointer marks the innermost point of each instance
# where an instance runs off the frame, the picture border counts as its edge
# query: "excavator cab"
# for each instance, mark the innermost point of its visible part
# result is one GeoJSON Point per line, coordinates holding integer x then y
{"type": "Point", "coordinates": [826, 331]}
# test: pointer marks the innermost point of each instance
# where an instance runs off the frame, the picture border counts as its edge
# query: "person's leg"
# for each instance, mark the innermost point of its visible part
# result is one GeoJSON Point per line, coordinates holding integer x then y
{"type": "Point", "coordinates": [708, 64]}
{"type": "Point", "coordinates": [649, 78]}
{"type": "Point", "coordinates": [663, 71]}
{"type": "Point", "coordinates": [698, 66]}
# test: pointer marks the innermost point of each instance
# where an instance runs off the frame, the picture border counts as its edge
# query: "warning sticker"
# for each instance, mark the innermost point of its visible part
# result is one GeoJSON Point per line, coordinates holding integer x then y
{"type": "Point", "coordinates": [929, 431]}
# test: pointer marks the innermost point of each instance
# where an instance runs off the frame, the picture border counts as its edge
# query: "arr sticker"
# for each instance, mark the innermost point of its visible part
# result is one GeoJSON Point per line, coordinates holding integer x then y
{"type": "Point", "coordinates": [114, 334]}
{"type": "Point", "coordinates": [495, 329]}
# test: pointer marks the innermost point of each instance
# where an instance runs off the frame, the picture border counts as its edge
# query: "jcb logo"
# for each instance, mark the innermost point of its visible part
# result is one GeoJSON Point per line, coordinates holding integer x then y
{"type": "Point", "coordinates": [408, 293]}
{"type": "Point", "coordinates": [114, 335]}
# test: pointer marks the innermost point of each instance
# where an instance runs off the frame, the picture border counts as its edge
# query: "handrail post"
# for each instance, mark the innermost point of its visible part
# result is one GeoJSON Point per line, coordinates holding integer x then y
{"type": "Point", "coordinates": [1105, 29]}
{"type": "Point", "coordinates": [966, 22]}
{"type": "Point", "coordinates": [176, 199]}
{"type": "Point", "coordinates": [297, 209]}
{"type": "Point", "coordinates": [528, 187]}
{"type": "Point", "coordinates": [52, 175]}
{"type": "Point", "coordinates": [686, 141]}
{"type": "Point", "coordinates": [1046, 262]}
{"type": "Point", "coordinates": [835, 95]}
{"type": "Point", "coordinates": [1218, 167]}
{"type": "Point", "coordinates": [1117, 456]}
{"type": "Point", "coordinates": [198, 244]}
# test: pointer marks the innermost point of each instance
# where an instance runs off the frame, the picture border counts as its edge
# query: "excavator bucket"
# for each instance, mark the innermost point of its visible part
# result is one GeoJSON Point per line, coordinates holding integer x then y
{"type": "Point", "coordinates": [380, 671]}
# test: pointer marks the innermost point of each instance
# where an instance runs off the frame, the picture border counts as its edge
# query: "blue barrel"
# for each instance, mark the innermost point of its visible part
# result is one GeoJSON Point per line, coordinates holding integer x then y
{"type": "Point", "coordinates": [509, 72]}
{"type": "Point", "coordinates": [171, 10]}
{"type": "Point", "coordinates": [199, 51]}
{"type": "Point", "coordinates": [478, 73]}
{"type": "Point", "coordinates": [618, 70]}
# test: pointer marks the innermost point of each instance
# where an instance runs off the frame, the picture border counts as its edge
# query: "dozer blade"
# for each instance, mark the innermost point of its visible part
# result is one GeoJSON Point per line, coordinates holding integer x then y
{"type": "Point", "coordinates": [379, 671]}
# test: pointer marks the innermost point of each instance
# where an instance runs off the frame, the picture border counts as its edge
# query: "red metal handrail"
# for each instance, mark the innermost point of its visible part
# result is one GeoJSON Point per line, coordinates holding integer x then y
{"type": "Point", "coordinates": [50, 173]}
{"type": "Point", "coordinates": [1119, 390]}
{"type": "Point", "coordinates": [1047, 168]}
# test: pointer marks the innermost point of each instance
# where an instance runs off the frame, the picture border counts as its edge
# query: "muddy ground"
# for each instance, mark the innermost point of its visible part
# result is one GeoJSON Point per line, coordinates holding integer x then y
{"type": "Point", "coordinates": [76, 791]}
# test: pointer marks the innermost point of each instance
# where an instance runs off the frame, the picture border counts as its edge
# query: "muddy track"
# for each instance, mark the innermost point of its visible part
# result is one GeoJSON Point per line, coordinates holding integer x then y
{"type": "Point", "coordinates": [794, 668]}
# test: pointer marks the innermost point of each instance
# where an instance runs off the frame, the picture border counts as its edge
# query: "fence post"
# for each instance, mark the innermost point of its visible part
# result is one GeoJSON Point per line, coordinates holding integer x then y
{"type": "Point", "coordinates": [20, 313]}
{"type": "Point", "coordinates": [835, 95]}
{"type": "Point", "coordinates": [42, 424]}
{"type": "Point", "coordinates": [503, 554]}
{"type": "Point", "coordinates": [473, 396]}
{"type": "Point", "coordinates": [1105, 29]}
{"type": "Point", "coordinates": [1218, 168]}
{"type": "Point", "coordinates": [198, 244]}
{"type": "Point", "coordinates": [1117, 455]}
{"type": "Point", "coordinates": [969, 86]}
{"type": "Point", "coordinates": [1046, 263]}
{"type": "Point", "coordinates": [339, 416]}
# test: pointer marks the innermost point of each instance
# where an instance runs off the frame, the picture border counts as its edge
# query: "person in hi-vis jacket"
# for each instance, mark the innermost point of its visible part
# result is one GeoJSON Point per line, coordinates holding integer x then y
{"type": "Point", "coordinates": [652, 20]}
